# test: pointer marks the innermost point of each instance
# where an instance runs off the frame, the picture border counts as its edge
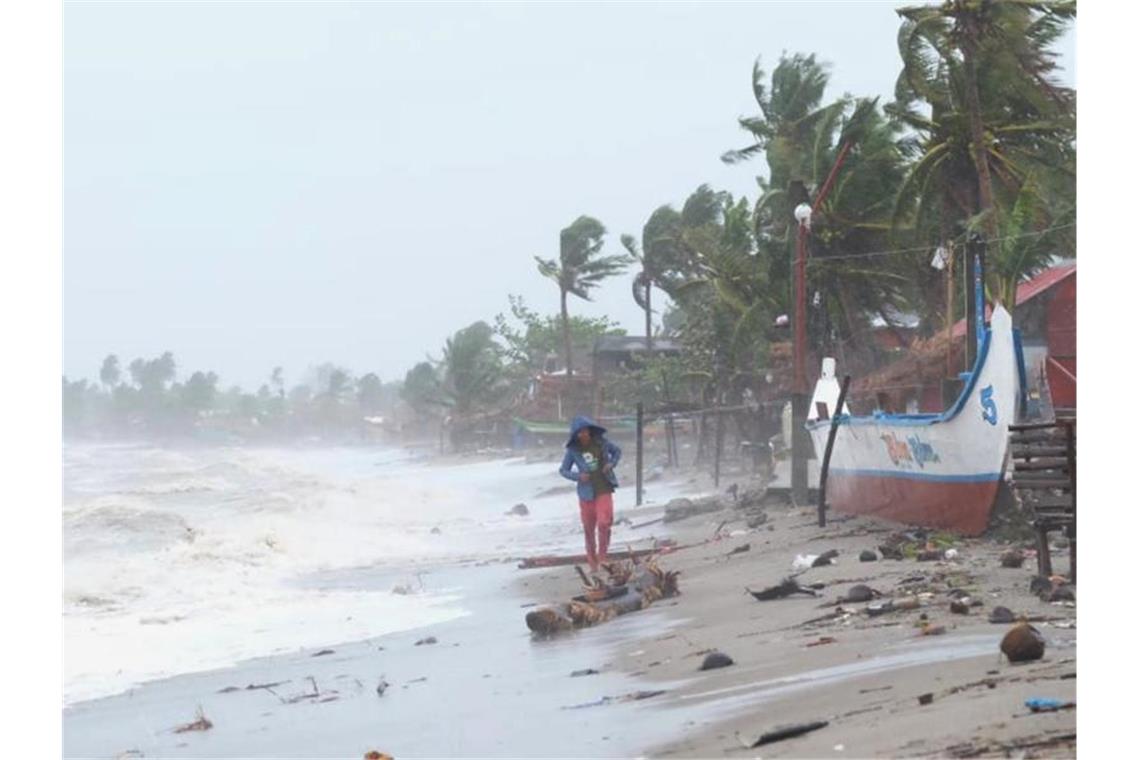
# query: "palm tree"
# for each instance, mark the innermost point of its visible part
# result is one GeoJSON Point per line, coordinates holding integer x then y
{"type": "Point", "coordinates": [579, 268]}
{"type": "Point", "coordinates": [996, 114]}
{"type": "Point", "coordinates": [988, 119]}
{"type": "Point", "coordinates": [472, 368]}
{"type": "Point", "coordinates": [110, 373]}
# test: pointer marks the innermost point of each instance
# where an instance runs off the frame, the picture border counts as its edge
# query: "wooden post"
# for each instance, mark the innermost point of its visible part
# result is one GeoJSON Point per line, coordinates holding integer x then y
{"type": "Point", "coordinates": [822, 507]}
{"type": "Point", "coordinates": [719, 447]}
{"type": "Point", "coordinates": [640, 450]}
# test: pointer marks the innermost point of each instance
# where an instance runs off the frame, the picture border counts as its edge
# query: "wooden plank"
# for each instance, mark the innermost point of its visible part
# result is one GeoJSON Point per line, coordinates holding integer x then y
{"type": "Point", "coordinates": [1026, 452]}
{"type": "Point", "coordinates": [1029, 480]}
{"type": "Point", "coordinates": [1044, 463]}
{"type": "Point", "coordinates": [1038, 436]}
{"type": "Point", "coordinates": [1036, 426]}
{"type": "Point", "coordinates": [1039, 501]}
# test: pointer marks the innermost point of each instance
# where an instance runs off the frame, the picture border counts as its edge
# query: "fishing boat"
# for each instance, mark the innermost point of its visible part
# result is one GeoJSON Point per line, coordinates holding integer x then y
{"type": "Point", "coordinates": [931, 470]}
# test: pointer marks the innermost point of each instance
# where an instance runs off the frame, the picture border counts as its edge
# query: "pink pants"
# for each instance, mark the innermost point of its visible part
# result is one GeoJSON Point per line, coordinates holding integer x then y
{"type": "Point", "coordinates": [599, 514]}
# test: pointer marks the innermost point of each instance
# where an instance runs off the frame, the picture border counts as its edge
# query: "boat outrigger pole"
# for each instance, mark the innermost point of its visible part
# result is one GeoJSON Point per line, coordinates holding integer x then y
{"type": "Point", "coordinates": [976, 316]}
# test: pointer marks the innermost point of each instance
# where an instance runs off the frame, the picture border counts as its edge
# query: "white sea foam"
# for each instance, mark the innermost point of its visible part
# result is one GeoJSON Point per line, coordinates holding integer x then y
{"type": "Point", "coordinates": [179, 561]}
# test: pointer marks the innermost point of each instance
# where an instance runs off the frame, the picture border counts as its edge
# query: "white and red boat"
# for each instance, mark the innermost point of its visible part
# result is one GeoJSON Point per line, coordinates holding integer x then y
{"type": "Point", "coordinates": [932, 470]}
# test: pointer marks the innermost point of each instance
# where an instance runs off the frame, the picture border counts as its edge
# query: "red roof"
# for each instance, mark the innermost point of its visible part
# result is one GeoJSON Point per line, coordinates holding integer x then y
{"type": "Point", "coordinates": [1030, 289]}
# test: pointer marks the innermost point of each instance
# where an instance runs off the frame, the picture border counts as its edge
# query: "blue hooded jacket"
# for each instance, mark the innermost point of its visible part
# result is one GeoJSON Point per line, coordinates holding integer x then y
{"type": "Point", "coordinates": [611, 455]}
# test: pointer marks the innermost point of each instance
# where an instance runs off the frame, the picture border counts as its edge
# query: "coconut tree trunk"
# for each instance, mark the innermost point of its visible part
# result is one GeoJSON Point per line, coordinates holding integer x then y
{"type": "Point", "coordinates": [566, 335]}
{"type": "Point", "coordinates": [648, 320]}
{"type": "Point", "coordinates": [977, 129]}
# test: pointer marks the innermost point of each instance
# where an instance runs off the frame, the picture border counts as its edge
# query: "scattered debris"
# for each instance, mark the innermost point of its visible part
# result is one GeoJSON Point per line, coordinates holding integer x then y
{"type": "Point", "coordinates": [1001, 615]}
{"type": "Point", "coordinates": [323, 652]}
{"type": "Point", "coordinates": [821, 641]}
{"type": "Point", "coordinates": [950, 554]}
{"type": "Point", "coordinates": [1040, 585]}
{"type": "Point", "coordinates": [740, 549]}
{"type": "Point", "coordinates": [715, 660]}
{"type": "Point", "coordinates": [925, 699]}
{"type": "Point", "coordinates": [436, 531]}
{"type": "Point", "coordinates": [928, 555]}
{"type": "Point", "coordinates": [890, 552]}
{"type": "Point", "coordinates": [758, 519]}
{"type": "Point", "coordinates": [1023, 643]}
{"type": "Point", "coordinates": [788, 732]}
{"type": "Point", "coordinates": [428, 640]}
{"type": "Point", "coordinates": [868, 556]}
{"type": "Point", "coordinates": [201, 723]}
{"type": "Point", "coordinates": [960, 606]}
{"type": "Point", "coordinates": [786, 588]}
{"type": "Point", "coordinates": [1062, 593]}
{"type": "Point", "coordinates": [519, 509]}
{"type": "Point", "coordinates": [1013, 558]}
{"type": "Point", "coordinates": [374, 755]}
{"type": "Point", "coordinates": [932, 630]}
{"type": "Point", "coordinates": [382, 687]}
{"type": "Point", "coordinates": [860, 593]}
{"type": "Point", "coordinates": [584, 672]}
{"type": "Point", "coordinates": [826, 558]}
{"type": "Point", "coordinates": [1044, 704]}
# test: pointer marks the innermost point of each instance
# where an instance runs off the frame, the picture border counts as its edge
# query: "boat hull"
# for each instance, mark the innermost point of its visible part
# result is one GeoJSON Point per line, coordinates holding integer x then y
{"type": "Point", "coordinates": [937, 471]}
{"type": "Point", "coordinates": [962, 507]}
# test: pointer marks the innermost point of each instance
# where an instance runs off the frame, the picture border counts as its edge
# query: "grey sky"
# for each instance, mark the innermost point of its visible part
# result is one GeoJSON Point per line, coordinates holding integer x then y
{"type": "Point", "coordinates": [254, 184]}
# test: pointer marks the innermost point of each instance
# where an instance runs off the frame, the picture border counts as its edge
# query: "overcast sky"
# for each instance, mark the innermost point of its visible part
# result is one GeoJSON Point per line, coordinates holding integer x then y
{"type": "Point", "coordinates": [260, 184]}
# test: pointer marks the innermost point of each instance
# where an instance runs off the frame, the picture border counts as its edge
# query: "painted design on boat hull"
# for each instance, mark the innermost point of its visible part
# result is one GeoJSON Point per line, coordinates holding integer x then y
{"type": "Point", "coordinates": [933, 470]}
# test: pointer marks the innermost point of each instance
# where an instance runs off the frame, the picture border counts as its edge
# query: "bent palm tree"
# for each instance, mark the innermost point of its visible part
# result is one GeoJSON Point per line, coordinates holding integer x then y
{"type": "Point", "coordinates": [579, 268]}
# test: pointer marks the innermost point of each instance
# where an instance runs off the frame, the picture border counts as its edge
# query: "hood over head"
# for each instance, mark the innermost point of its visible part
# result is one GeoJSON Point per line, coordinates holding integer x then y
{"type": "Point", "coordinates": [582, 421]}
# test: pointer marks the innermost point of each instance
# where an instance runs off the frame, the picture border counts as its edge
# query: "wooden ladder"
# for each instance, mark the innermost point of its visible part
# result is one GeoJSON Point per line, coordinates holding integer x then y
{"type": "Point", "coordinates": [1044, 458]}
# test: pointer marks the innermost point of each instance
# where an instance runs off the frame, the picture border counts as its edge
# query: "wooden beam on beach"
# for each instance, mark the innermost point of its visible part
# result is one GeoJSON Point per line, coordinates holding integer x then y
{"type": "Point", "coordinates": [641, 585]}
{"type": "Point", "coordinates": [554, 560]}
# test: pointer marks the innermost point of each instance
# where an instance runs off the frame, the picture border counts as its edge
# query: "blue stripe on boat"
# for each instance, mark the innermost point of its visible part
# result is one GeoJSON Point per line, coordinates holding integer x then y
{"type": "Point", "coordinates": [983, 477]}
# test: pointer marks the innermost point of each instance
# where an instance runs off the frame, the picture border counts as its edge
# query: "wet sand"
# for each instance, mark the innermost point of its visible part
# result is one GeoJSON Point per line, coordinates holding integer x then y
{"type": "Point", "coordinates": [861, 674]}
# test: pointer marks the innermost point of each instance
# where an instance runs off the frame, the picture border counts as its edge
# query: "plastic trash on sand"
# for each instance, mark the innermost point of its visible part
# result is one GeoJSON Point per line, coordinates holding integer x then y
{"type": "Point", "coordinates": [804, 561]}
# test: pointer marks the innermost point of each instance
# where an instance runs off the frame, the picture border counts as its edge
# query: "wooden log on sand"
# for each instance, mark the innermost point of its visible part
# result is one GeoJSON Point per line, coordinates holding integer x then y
{"type": "Point", "coordinates": [644, 584]}
{"type": "Point", "coordinates": [552, 560]}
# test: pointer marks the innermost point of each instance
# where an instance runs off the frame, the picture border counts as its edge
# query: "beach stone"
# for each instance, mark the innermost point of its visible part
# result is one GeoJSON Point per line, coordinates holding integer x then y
{"type": "Point", "coordinates": [868, 556]}
{"type": "Point", "coordinates": [1063, 593]}
{"type": "Point", "coordinates": [758, 519]}
{"type": "Point", "coordinates": [1023, 643]}
{"type": "Point", "coordinates": [436, 531]}
{"type": "Point", "coordinates": [715, 660]}
{"type": "Point", "coordinates": [859, 593]}
{"type": "Point", "coordinates": [520, 510]}
{"type": "Point", "coordinates": [1040, 585]}
{"type": "Point", "coordinates": [1001, 615]}
{"type": "Point", "coordinates": [1013, 558]}
{"type": "Point", "coordinates": [960, 606]}
{"type": "Point", "coordinates": [428, 640]}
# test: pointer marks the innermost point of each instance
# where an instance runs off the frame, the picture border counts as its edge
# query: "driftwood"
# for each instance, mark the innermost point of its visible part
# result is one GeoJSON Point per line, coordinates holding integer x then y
{"type": "Point", "coordinates": [552, 560]}
{"type": "Point", "coordinates": [643, 584]}
{"type": "Point", "coordinates": [786, 588]}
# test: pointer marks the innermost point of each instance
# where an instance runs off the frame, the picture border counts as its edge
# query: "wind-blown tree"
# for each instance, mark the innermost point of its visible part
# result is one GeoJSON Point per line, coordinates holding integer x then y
{"type": "Point", "coordinates": [579, 268]}
{"type": "Point", "coordinates": [988, 118]}
{"type": "Point", "coordinates": [472, 369]}
{"type": "Point", "coordinates": [532, 337]}
{"type": "Point", "coordinates": [198, 393]}
{"type": "Point", "coordinates": [109, 372]}
{"type": "Point", "coordinates": [370, 393]}
{"type": "Point", "coordinates": [421, 389]}
{"type": "Point", "coordinates": [801, 140]}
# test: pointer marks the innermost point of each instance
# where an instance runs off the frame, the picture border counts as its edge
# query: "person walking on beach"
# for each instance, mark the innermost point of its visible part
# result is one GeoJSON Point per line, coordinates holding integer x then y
{"type": "Point", "coordinates": [589, 461]}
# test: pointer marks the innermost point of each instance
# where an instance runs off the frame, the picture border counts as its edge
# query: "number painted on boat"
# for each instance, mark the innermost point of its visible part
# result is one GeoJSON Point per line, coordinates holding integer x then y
{"type": "Point", "coordinates": [989, 408]}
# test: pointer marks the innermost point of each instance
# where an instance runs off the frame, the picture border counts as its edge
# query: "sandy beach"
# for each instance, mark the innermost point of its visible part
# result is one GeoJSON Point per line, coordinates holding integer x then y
{"type": "Point", "coordinates": [861, 674]}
